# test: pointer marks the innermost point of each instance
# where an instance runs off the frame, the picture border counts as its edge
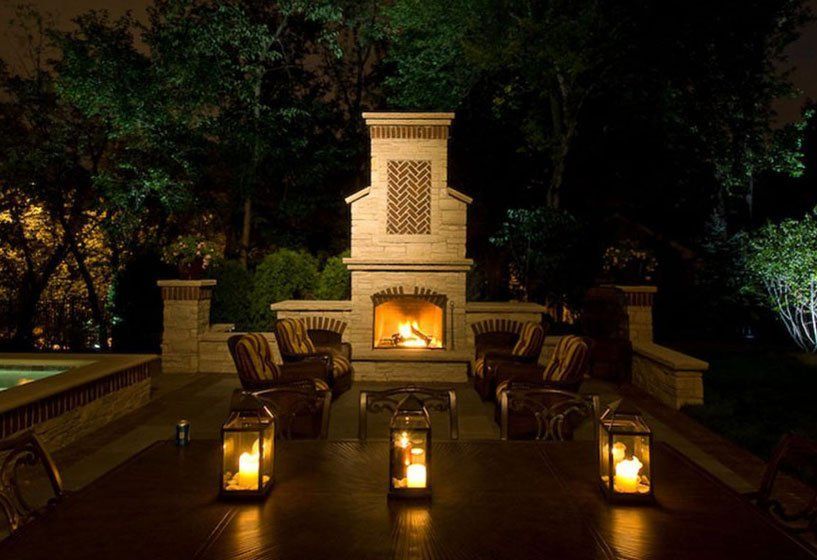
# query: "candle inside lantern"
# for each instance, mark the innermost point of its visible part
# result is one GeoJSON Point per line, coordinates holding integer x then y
{"type": "Point", "coordinates": [416, 475]}
{"type": "Point", "coordinates": [248, 468]}
{"type": "Point", "coordinates": [627, 478]}
{"type": "Point", "coordinates": [619, 452]}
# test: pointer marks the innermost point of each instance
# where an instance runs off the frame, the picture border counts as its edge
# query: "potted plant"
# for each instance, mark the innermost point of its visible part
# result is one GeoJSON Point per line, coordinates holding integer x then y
{"type": "Point", "coordinates": [191, 255]}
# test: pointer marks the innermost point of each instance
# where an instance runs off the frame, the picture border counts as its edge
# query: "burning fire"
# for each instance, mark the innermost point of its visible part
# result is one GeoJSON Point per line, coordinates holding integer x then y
{"type": "Point", "coordinates": [410, 336]}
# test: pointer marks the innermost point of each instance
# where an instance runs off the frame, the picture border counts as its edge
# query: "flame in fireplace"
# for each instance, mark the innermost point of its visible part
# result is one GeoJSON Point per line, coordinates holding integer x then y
{"type": "Point", "coordinates": [408, 323]}
{"type": "Point", "coordinates": [412, 337]}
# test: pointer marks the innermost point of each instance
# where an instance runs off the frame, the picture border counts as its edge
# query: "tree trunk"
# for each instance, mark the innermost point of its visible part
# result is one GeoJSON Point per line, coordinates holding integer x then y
{"type": "Point", "coordinates": [245, 231]}
{"type": "Point", "coordinates": [32, 290]}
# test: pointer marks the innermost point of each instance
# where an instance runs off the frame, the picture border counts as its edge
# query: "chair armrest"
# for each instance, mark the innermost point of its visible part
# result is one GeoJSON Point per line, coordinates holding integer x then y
{"type": "Point", "coordinates": [521, 372]}
{"type": "Point", "coordinates": [307, 369]}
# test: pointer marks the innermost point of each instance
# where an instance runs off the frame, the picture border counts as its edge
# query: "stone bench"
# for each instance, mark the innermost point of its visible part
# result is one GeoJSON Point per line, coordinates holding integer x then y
{"type": "Point", "coordinates": [671, 377]}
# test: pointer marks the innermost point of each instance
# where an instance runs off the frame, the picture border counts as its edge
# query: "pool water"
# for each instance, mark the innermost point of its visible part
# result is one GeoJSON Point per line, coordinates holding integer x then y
{"type": "Point", "coordinates": [15, 375]}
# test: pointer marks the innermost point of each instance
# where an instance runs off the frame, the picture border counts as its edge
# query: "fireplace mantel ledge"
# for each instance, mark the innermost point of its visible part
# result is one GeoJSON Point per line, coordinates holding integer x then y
{"type": "Point", "coordinates": [403, 264]}
{"type": "Point", "coordinates": [504, 307]}
{"type": "Point", "coordinates": [312, 305]}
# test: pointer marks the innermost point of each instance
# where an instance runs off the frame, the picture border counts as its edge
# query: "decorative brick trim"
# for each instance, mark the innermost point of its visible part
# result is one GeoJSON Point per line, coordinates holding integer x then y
{"type": "Point", "coordinates": [28, 415]}
{"type": "Point", "coordinates": [318, 323]}
{"type": "Point", "coordinates": [640, 299]}
{"type": "Point", "coordinates": [420, 293]}
{"type": "Point", "coordinates": [409, 132]}
{"type": "Point", "coordinates": [187, 293]}
{"type": "Point", "coordinates": [409, 198]}
{"type": "Point", "coordinates": [497, 325]}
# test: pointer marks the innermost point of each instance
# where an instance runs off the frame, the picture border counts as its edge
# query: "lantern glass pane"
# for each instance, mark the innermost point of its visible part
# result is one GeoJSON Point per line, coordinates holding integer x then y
{"type": "Point", "coordinates": [409, 457]}
{"type": "Point", "coordinates": [269, 454]}
{"type": "Point", "coordinates": [242, 460]}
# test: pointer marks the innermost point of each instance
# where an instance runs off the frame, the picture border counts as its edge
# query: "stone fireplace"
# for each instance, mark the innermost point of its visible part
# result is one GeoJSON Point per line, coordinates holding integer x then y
{"type": "Point", "coordinates": [408, 318]}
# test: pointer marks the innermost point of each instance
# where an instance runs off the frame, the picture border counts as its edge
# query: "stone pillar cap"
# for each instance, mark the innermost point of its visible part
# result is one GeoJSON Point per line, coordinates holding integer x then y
{"type": "Point", "coordinates": [409, 118]}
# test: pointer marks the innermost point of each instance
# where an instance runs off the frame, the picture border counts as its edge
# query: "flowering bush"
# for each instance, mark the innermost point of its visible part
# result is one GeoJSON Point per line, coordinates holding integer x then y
{"type": "Point", "coordinates": [783, 260]}
{"type": "Point", "coordinates": [627, 263]}
{"type": "Point", "coordinates": [190, 254]}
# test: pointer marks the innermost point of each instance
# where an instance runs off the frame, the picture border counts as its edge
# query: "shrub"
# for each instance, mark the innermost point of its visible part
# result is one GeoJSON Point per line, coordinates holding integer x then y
{"type": "Point", "coordinates": [783, 260]}
{"type": "Point", "coordinates": [549, 255]}
{"type": "Point", "coordinates": [335, 280]}
{"type": "Point", "coordinates": [231, 297]}
{"type": "Point", "coordinates": [284, 274]}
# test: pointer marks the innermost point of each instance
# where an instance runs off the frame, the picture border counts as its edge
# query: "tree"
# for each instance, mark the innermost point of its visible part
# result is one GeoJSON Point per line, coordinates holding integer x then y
{"type": "Point", "coordinates": [47, 148]}
{"type": "Point", "coordinates": [783, 259]}
{"type": "Point", "coordinates": [238, 68]}
{"type": "Point", "coordinates": [547, 250]}
{"type": "Point", "coordinates": [540, 61]}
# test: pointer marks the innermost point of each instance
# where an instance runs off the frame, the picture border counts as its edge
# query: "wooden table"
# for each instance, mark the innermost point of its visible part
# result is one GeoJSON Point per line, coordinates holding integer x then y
{"type": "Point", "coordinates": [491, 500]}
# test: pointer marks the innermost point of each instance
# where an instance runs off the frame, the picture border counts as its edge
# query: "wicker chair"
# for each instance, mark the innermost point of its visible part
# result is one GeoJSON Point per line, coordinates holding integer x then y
{"type": "Point", "coordinates": [24, 448]}
{"type": "Point", "coordinates": [253, 361]}
{"type": "Point", "coordinates": [503, 342]}
{"type": "Point", "coordinates": [298, 343]}
{"type": "Point", "coordinates": [565, 369]}
{"type": "Point", "coordinates": [435, 400]}
{"type": "Point", "coordinates": [791, 500]}
{"type": "Point", "coordinates": [542, 413]}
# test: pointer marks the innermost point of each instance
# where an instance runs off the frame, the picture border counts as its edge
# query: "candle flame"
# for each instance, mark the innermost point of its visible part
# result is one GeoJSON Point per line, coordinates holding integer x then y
{"type": "Point", "coordinates": [629, 468]}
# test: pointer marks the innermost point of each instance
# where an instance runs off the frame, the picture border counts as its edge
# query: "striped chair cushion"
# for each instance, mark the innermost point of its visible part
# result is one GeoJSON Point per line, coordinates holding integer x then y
{"type": "Point", "coordinates": [253, 359]}
{"type": "Point", "coordinates": [570, 360]}
{"type": "Point", "coordinates": [293, 338]}
{"type": "Point", "coordinates": [479, 366]}
{"type": "Point", "coordinates": [341, 366]}
{"type": "Point", "coordinates": [530, 340]}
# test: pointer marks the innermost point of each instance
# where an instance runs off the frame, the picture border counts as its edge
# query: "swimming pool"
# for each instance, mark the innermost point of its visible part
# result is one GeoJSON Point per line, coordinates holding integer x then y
{"type": "Point", "coordinates": [12, 376]}
{"type": "Point", "coordinates": [63, 397]}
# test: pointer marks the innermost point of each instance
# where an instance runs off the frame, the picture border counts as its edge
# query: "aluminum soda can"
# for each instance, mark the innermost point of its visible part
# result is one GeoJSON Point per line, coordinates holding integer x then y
{"type": "Point", "coordinates": [183, 433]}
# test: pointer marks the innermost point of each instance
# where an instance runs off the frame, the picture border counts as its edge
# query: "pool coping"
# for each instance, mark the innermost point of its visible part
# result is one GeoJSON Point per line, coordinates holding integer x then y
{"type": "Point", "coordinates": [99, 366]}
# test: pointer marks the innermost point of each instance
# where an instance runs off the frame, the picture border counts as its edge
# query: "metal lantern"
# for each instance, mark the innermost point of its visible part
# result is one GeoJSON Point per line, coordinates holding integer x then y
{"type": "Point", "coordinates": [248, 448]}
{"type": "Point", "coordinates": [625, 455]}
{"type": "Point", "coordinates": [410, 450]}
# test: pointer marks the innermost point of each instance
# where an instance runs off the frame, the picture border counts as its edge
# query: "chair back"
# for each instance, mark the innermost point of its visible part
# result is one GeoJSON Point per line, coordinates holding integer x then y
{"type": "Point", "coordinates": [24, 448]}
{"type": "Point", "coordinates": [495, 334]}
{"type": "Point", "coordinates": [554, 412]}
{"type": "Point", "coordinates": [788, 490]}
{"type": "Point", "coordinates": [531, 338]}
{"type": "Point", "coordinates": [301, 410]}
{"type": "Point", "coordinates": [569, 362]}
{"type": "Point", "coordinates": [293, 338]}
{"type": "Point", "coordinates": [324, 331]}
{"type": "Point", "coordinates": [435, 400]}
{"type": "Point", "coordinates": [252, 356]}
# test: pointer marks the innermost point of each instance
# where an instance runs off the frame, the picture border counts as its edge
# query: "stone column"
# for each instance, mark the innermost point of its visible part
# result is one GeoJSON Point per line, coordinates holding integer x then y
{"type": "Point", "coordinates": [186, 318]}
{"type": "Point", "coordinates": [639, 309]}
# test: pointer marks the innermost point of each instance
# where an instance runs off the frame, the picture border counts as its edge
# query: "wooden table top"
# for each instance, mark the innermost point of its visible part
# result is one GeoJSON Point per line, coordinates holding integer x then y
{"type": "Point", "coordinates": [491, 500]}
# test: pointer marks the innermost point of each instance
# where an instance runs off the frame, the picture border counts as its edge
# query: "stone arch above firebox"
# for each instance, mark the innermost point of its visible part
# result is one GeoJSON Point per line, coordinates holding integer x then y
{"type": "Point", "coordinates": [420, 293]}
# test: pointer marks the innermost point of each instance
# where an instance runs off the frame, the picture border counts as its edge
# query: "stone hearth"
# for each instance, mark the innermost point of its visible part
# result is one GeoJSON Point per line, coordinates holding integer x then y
{"type": "Point", "coordinates": [408, 260]}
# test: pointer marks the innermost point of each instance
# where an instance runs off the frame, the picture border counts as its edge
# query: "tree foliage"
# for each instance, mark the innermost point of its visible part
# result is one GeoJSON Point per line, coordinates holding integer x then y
{"type": "Point", "coordinates": [783, 260]}
{"type": "Point", "coordinates": [546, 248]}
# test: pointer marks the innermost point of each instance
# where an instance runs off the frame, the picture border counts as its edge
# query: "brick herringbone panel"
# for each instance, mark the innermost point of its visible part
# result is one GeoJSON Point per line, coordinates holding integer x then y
{"type": "Point", "coordinates": [409, 197]}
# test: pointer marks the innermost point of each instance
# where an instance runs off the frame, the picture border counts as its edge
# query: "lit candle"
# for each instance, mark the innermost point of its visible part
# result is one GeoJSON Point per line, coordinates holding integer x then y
{"type": "Point", "coordinates": [619, 451]}
{"type": "Point", "coordinates": [416, 475]}
{"type": "Point", "coordinates": [248, 468]}
{"type": "Point", "coordinates": [626, 479]}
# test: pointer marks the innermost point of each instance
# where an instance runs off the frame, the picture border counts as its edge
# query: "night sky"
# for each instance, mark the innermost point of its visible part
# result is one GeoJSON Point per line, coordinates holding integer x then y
{"type": "Point", "coordinates": [802, 54]}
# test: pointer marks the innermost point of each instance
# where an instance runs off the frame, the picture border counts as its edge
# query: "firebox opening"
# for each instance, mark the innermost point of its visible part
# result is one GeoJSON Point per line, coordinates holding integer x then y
{"type": "Point", "coordinates": [409, 322]}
